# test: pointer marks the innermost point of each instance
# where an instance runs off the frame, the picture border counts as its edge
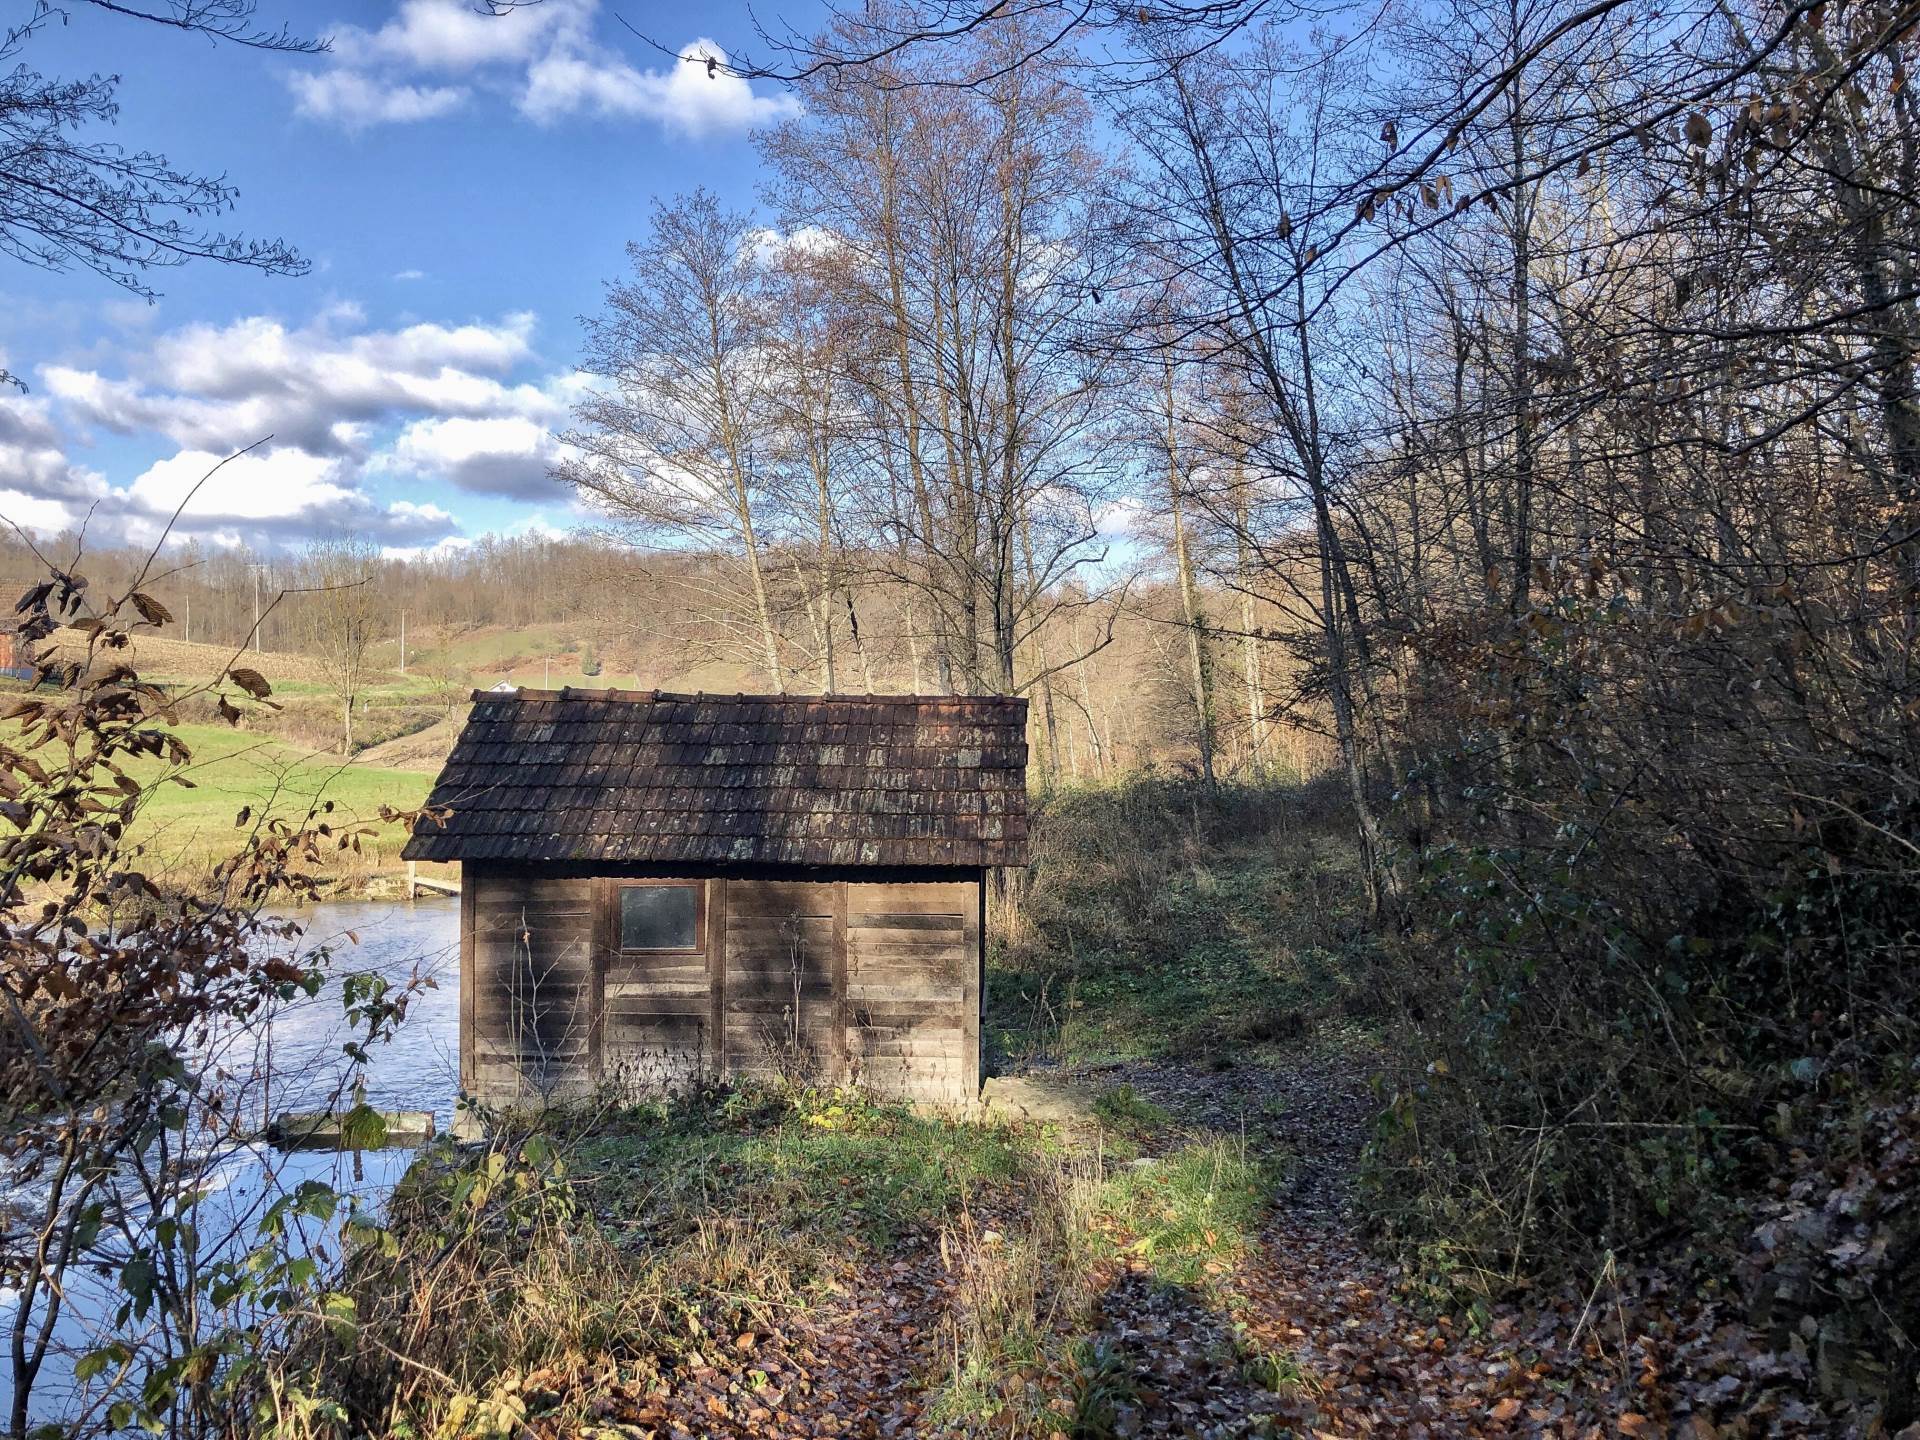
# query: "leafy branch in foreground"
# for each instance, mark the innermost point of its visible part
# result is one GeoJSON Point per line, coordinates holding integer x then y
{"type": "Point", "coordinates": [118, 996]}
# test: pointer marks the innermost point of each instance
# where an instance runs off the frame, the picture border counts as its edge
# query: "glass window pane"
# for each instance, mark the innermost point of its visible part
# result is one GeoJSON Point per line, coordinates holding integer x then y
{"type": "Point", "coordinates": [659, 917]}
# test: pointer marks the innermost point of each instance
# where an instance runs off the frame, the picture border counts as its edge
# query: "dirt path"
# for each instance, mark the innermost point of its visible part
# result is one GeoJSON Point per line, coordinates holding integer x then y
{"type": "Point", "coordinates": [1311, 1336]}
{"type": "Point", "coordinates": [1349, 1351]}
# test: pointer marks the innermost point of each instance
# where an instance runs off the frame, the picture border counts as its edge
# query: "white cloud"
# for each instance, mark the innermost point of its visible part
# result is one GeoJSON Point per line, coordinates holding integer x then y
{"type": "Point", "coordinates": [456, 36]}
{"type": "Point", "coordinates": [278, 495]}
{"type": "Point", "coordinates": [435, 54]}
{"type": "Point", "coordinates": [439, 550]}
{"type": "Point", "coordinates": [499, 455]}
{"type": "Point", "coordinates": [268, 486]}
{"type": "Point", "coordinates": [809, 242]}
{"type": "Point", "coordinates": [34, 465]}
{"type": "Point", "coordinates": [1120, 519]}
{"type": "Point", "coordinates": [538, 525]}
{"type": "Point", "coordinates": [349, 408]}
{"type": "Point", "coordinates": [312, 387]}
{"type": "Point", "coordinates": [407, 275]}
{"type": "Point", "coordinates": [405, 515]}
{"type": "Point", "coordinates": [37, 513]}
{"type": "Point", "coordinates": [357, 101]}
{"type": "Point", "coordinates": [690, 96]}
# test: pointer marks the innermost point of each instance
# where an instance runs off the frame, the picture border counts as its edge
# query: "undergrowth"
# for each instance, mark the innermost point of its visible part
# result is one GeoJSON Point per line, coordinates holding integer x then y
{"type": "Point", "coordinates": [1167, 920]}
{"type": "Point", "coordinates": [1164, 917]}
{"type": "Point", "coordinates": [824, 1165]}
{"type": "Point", "coordinates": [622, 1251]}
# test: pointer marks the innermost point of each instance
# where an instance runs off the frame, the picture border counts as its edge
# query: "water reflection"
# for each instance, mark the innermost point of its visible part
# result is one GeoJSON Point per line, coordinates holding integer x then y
{"type": "Point", "coordinates": [294, 1061]}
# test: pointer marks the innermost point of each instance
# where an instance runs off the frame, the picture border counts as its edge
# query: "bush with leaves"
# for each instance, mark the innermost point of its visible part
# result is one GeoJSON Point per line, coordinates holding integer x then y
{"type": "Point", "coordinates": [116, 994]}
{"type": "Point", "coordinates": [1672, 953]}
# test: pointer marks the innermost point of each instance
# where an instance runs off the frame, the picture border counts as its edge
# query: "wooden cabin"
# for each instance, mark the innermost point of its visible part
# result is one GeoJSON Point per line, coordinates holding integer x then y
{"type": "Point", "coordinates": [661, 888]}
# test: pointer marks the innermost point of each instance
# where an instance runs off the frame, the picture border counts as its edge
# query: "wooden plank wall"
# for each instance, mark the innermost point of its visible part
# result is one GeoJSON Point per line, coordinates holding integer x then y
{"type": "Point", "coordinates": [874, 983]}
{"type": "Point", "coordinates": [913, 998]}
{"type": "Point", "coordinates": [781, 1017]}
{"type": "Point", "coordinates": [531, 995]}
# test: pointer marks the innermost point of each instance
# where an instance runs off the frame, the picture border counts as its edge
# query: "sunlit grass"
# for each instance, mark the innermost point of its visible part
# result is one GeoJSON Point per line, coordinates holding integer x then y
{"type": "Point", "coordinates": [231, 770]}
{"type": "Point", "coordinates": [1193, 1214]}
{"type": "Point", "coordinates": [832, 1163]}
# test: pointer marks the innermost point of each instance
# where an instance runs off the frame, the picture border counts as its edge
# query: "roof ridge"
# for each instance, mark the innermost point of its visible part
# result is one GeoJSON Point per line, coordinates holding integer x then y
{"type": "Point", "coordinates": [837, 697]}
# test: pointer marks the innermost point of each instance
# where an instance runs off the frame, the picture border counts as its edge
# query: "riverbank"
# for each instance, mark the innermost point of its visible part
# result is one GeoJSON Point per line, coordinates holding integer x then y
{"type": "Point", "coordinates": [1159, 1221]}
{"type": "Point", "coordinates": [1154, 1226]}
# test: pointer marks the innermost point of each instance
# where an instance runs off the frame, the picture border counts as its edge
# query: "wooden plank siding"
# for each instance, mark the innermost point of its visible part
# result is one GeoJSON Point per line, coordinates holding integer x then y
{"type": "Point", "coordinates": [530, 943]}
{"type": "Point", "coordinates": [658, 1031]}
{"type": "Point", "coordinates": [779, 1008]}
{"type": "Point", "coordinates": [910, 973]}
{"type": "Point", "coordinates": [874, 982]}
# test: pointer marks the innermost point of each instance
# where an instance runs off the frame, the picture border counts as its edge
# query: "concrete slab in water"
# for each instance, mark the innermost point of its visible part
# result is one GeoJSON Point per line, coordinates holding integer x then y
{"type": "Point", "coordinates": [328, 1130]}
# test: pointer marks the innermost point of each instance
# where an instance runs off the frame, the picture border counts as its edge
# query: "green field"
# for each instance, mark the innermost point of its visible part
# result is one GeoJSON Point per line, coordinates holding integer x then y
{"type": "Point", "coordinates": [187, 828]}
{"type": "Point", "coordinates": [537, 655]}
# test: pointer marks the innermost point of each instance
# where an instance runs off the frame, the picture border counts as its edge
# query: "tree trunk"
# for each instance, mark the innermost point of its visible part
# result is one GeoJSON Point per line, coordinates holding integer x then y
{"type": "Point", "coordinates": [1200, 673]}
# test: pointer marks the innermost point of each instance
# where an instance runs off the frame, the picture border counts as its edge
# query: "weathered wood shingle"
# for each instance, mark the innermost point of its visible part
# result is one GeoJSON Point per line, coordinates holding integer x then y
{"type": "Point", "coordinates": [642, 777]}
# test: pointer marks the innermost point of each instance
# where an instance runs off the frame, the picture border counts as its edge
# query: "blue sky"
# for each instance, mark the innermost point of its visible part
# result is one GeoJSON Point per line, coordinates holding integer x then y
{"type": "Point", "coordinates": [463, 186]}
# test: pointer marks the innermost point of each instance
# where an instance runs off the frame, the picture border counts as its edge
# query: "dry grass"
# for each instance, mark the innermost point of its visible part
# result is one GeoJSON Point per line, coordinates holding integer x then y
{"type": "Point", "coordinates": [1016, 1294]}
{"type": "Point", "coordinates": [424, 750]}
{"type": "Point", "coordinates": [183, 663]}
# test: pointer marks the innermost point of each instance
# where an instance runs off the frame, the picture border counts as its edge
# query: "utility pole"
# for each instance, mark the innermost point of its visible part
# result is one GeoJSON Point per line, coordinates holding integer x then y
{"type": "Point", "coordinates": [255, 567]}
{"type": "Point", "coordinates": [546, 682]}
{"type": "Point", "coordinates": [403, 642]}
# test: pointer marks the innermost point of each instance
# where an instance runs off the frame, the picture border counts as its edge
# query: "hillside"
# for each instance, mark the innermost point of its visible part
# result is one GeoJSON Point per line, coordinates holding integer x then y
{"type": "Point", "coordinates": [187, 829]}
{"type": "Point", "coordinates": [182, 664]}
{"type": "Point", "coordinates": [552, 655]}
{"type": "Point", "coordinates": [405, 725]}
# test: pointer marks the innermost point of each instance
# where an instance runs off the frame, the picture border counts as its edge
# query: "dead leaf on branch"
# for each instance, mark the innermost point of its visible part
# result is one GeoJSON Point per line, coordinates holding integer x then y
{"type": "Point", "coordinates": [251, 681]}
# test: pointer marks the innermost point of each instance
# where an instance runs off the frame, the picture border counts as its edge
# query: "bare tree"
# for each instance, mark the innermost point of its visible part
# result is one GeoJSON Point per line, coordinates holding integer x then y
{"type": "Point", "coordinates": [814, 345]}
{"type": "Point", "coordinates": [678, 446]}
{"type": "Point", "coordinates": [1179, 465]}
{"type": "Point", "coordinates": [970, 264]}
{"type": "Point", "coordinates": [343, 618]}
{"type": "Point", "coordinates": [69, 200]}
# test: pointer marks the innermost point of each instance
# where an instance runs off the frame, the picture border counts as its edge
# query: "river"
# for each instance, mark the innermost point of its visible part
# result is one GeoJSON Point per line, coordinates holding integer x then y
{"type": "Point", "coordinates": [292, 1062]}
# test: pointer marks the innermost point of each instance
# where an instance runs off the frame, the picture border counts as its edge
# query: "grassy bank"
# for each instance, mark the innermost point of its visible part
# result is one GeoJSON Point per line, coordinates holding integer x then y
{"type": "Point", "coordinates": [281, 763]}
{"type": "Point", "coordinates": [187, 829]}
{"type": "Point", "coordinates": [730, 1263]}
{"type": "Point", "coordinates": [1162, 918]}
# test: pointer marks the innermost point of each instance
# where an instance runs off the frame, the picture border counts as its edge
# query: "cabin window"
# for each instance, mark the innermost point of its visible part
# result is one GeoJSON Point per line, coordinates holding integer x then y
{"type": "Point", "coordinates": [661, 916]}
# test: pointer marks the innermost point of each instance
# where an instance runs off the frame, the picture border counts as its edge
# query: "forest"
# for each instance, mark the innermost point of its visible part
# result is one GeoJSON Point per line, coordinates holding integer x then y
{"type": "Point", "coordinates": [1446, 478]}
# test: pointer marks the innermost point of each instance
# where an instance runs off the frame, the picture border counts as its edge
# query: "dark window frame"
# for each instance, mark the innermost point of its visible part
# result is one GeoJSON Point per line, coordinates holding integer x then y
{"type": "Point", "coordinates": [699, 888]}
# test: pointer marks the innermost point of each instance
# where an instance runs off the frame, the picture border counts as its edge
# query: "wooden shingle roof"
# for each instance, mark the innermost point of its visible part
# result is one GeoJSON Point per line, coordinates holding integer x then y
{"type": "Point", "coordinates": [639, 777]}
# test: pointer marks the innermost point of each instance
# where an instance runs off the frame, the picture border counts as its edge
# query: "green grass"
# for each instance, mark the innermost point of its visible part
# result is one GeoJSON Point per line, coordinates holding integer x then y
{"type": "Point", "coordinates": [1103, 1384]}
{"type": "Point", "coordinates": [1120, 1108]}
{"type": "Point", "coordinates": [836, 1165]}
{"type": "Point", "coordinates": [630, 1241]}
{"type": "Point", "coordinates": [492, 650]}
{"type": "Point", "coordinates": [1194, 1214]}
{"type": "Point", "coordinates": [235, 769]}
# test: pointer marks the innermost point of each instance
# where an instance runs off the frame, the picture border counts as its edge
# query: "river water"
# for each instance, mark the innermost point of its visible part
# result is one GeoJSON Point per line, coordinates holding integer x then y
{"type": "Point", "coordinates": [293, 1062]}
